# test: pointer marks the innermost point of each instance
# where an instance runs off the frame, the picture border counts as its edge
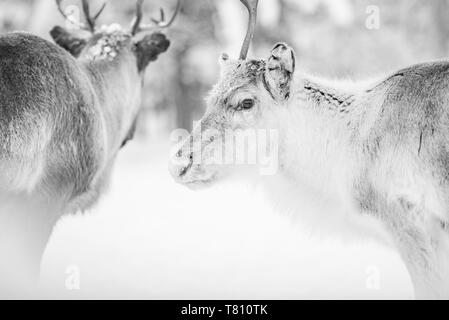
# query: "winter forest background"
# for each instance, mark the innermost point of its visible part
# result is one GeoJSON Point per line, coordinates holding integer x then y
{"type": "Point", "coordinates": [150, 238]}
{"type": "Point", "coordinates": [330, 37]}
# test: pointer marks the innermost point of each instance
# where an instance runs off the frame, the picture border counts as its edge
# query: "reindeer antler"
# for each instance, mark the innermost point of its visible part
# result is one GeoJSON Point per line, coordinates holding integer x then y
{"type": "Point", "coordinates": [251, 5]}
{"type": "Point", "coordinates": [161, 23]}
{"type": "Point", "coordinates": [91, 20]}
{"type": "Point", "coordinates": [86, 9]}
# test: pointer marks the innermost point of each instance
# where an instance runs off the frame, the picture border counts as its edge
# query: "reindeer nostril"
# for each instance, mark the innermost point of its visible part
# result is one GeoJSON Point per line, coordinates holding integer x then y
{"type": "Point", "coordinates": [183, 171]}
{"type": "Point", "coordinates": [179, 153]}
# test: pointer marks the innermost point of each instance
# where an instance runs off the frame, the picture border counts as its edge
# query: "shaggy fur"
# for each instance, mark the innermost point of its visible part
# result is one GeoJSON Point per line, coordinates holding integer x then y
{"type": "Point", "coordinates": [380, 149]}
{"type": "Point", "coordinates": [62, 122]}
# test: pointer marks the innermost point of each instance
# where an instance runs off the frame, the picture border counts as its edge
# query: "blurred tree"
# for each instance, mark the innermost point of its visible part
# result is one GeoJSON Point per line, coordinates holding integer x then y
{"type": "Point", "coordinates": [189, 87]}
{"type": "Point", "coordinates": [440, 11]}
{"type": "Point", "coordinates": [330, 38]}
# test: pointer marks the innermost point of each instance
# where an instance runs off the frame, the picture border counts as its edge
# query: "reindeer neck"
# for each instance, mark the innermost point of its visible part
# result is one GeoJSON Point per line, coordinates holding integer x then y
{"type": "Point", "coordinates": [328, 98]}
{"type": "Point", "coordinates": [316, 130]}
{"type": "Point", "coordinates": [117, 85]}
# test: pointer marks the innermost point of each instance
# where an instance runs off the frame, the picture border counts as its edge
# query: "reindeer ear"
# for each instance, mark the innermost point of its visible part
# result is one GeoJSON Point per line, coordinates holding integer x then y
{"type": "Point", "coordinates": [279, 71]}
{"type": "Point", "coordinates": [66, 40]}
{"type": "Point", "coordinates": [149, 48]}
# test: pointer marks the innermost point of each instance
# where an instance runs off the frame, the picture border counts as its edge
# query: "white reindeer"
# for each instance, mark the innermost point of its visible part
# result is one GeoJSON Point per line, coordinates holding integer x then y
{"type": "Point", "coordinates": [62, 122]}
{"type": "Point", "coordinates": [381, 149]}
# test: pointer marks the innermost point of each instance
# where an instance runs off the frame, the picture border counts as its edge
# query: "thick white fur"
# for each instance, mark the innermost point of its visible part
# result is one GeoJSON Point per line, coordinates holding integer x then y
{"type": "Point", "coordinates": [318, 151]}
{"type": "Point", "coordinates": [371, 153]}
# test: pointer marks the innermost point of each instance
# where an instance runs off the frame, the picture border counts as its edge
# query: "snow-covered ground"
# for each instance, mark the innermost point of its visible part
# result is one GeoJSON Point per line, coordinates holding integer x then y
{"type": "Point", "coordinates": [153, 239]}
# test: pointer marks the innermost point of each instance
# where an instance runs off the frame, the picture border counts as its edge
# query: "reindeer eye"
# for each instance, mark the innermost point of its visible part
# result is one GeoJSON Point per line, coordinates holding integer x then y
{"type": "Point", "coordinates": [247, 104]}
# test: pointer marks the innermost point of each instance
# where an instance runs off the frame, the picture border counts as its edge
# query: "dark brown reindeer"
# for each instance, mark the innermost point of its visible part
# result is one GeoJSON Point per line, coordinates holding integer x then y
{"type": "Point", "coordinates": [64, 115]}
{"type": "Point", "coordinates": [378, 149]}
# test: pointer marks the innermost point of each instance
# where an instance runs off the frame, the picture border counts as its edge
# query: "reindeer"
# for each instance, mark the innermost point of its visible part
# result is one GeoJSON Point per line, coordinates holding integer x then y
{"type": "Point", "coordinates": [64, 116]}
{"type": "Point", "coordinates": [381, 148]}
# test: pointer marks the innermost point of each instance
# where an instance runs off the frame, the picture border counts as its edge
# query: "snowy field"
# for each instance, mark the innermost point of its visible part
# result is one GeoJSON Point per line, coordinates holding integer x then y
{"type": "Point", "coordinates": [150, 238]}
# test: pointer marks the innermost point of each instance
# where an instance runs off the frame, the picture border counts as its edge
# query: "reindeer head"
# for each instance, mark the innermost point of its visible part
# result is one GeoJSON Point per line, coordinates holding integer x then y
{"type": "Point", "coordinates": [146, 42]}
{"type": "Point", "coordinates": [247, 94]}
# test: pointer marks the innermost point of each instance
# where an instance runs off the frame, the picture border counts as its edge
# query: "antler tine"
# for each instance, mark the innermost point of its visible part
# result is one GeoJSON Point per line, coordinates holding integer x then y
{"type": "Point", "coordinates": [137, 27]}
{"type": "Point", "coordinates": [91, 20]}
{"type": "Point", "coordinates": [138, 19]}
{"type": "Point", "coordinates": [162, 24]}
{"type": "Point", "coordinates": [251, 5]}
{"type": "Point", "coordinates": [100, 11]}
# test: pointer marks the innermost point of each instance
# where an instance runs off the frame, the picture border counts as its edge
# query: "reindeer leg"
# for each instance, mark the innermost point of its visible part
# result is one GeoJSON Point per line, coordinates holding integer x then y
{"type": "Point", "coordinates": [24, 233]}
{"type": "Point", "coordinates": [423, 247]}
